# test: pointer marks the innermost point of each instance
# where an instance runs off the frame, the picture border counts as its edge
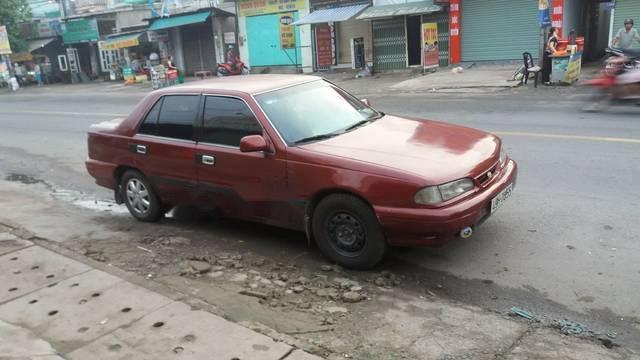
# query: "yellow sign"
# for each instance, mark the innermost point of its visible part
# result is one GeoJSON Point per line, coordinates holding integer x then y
{"type": "Point", "coordinates": [261, 7]}
{"type": "Point", "coordinates": [5, 47]}
{"type": "Point", "coordinates": [287, 31]}
{"type": "Point", "coordinates": [118, 44]}
{"type": "Point", "coordinates": [22, 56]}
{"type": "Point", "coordinates": [573, 69]}
{"type": "Point", "coordinates": [429, 45]}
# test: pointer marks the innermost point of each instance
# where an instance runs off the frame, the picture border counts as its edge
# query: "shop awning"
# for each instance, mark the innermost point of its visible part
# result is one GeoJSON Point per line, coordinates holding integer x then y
{"type": "Point", "coordinates": [39, 44]}
{"type": "Point", "coordinates": [120, 41]}
{"type": "Point", "coordinates": [179, 20]}
{"type": "Point", "coordinates": [332, 15]}
{"type": "Point", "coordinates": [412, 8]}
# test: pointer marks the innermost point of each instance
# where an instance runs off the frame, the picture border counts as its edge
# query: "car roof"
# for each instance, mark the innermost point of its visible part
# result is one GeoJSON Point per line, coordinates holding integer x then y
{"type": "Point", "coordinates": [250, 84]}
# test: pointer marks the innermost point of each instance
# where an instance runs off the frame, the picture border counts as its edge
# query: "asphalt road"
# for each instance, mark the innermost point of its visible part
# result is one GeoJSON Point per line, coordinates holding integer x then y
{"type": "Point", "coordinates": [568, 239]}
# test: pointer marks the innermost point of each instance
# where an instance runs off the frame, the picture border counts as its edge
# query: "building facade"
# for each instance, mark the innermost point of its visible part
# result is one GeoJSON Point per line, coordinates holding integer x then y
{"type": "Point", "coordinates": [339, 40]}
{"type": "Point", "coordinates": [197, 40]}
{"type": "Point", "coordinates": [268, 38]}
{"type": "Point", "coordinates": [396, 28]}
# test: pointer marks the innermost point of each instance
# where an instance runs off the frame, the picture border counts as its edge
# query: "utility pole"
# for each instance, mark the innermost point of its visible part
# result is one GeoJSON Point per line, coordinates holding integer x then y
{"type": "Point", "coordinates": [63, 8]}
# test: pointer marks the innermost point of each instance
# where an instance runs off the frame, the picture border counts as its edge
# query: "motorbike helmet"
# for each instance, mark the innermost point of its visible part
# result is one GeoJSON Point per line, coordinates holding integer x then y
{"type": "Point", "coordinates": [628, 21]}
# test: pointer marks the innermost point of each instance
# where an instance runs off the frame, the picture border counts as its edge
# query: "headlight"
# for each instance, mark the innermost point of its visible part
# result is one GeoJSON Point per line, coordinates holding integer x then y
{"type": "Point", "coordinates": [436, 194]}
{"type": "Point", "coordinates": [503, 154]}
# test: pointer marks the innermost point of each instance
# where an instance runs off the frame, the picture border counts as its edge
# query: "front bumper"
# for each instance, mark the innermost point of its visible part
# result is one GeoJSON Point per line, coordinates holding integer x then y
{"type": "Point", "coordinates": [435, 226]}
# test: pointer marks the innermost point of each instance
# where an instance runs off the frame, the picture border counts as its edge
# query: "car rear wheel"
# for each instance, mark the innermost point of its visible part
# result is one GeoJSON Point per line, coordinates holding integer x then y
{"type": "Point", "coordinates": [138, 195]}
{"type": "Point", "coordinates": [348, 232]}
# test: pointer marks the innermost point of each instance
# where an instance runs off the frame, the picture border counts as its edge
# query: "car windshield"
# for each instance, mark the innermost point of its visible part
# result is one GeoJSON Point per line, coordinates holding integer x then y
{"type": "Point", "coordinates": [314, 111]}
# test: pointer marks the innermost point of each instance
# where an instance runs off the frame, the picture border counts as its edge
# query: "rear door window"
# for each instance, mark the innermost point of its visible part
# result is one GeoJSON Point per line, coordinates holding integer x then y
{"type": "Point", "coordinates": [227, 120]}
{"type": "Point", "coordinates": [150, 124]}
{"type": "Point", "coordinates": [177, 115]}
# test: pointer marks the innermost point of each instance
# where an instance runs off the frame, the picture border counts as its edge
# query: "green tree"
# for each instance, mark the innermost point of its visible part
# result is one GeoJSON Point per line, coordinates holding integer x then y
{"type": "Point", "coordinates": [12, 14]}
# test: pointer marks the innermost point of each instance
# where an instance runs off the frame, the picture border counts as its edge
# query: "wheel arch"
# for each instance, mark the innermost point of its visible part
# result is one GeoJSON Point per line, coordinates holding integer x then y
{"type": "Point", "coordinates": [117, 179]}
{"type": "Point", "coordinates": [321, 195]}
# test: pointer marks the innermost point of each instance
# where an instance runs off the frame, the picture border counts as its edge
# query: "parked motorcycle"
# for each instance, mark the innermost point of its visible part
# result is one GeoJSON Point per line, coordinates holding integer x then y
{"type": "Point", "coordinates": [629, 55]}
{"type": "Point", "coordinates": [619, 80]}
{"type": "Point", "coordinates": [235, 68]}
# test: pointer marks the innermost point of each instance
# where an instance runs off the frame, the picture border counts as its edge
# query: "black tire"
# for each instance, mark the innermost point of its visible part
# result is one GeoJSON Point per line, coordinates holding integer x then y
{"type": "Point", "coordinates": [151, 209]}
{"type": "Point", "coordinates": [348, 232]}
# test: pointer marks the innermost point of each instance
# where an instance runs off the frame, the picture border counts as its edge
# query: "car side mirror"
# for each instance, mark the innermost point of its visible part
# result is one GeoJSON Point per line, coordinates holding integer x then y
{"type": "Point", "coordinates": [366, 102]}
{"type": "Point", "coordinates": [253, 143]}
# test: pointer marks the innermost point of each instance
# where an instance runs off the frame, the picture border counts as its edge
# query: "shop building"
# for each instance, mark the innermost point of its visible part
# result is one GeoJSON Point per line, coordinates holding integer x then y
{"type": "Point", "coordinates": [268, 38]}
{"type": "Point", "coordinates": [80, 36]}
{"type": "Point", "coordinates": [397, 32]}
{"type": "Point", "coordinates": [339, 40]}
{"type": "Point", "coordinates": [501, 30]}
{"type": "Point", "coordinates": [44, 46]}
{"type": "Point", "coordinates": [197, 40]}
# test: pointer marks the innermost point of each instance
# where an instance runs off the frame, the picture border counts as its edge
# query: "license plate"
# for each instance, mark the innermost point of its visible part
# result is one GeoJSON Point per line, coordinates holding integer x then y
{"type": "Point", "coordinates": [497, 201]}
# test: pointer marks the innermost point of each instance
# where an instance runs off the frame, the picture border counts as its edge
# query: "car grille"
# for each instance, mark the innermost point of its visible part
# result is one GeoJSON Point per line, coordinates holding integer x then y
{"type": "Point", "coordinates": [486, 177]}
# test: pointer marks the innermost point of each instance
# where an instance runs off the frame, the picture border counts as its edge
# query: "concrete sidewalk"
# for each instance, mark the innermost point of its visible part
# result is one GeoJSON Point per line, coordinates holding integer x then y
{"type": "Point", "coordinates": [476, 77]}
{"type": "Point", "coordinates": [54, 307]}
{"type": "Point", "coordinates": [444, 79]}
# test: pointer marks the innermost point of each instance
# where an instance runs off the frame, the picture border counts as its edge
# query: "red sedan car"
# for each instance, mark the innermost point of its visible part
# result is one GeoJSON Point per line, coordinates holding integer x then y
{"type": "Point", "coordinates": [300, 153]}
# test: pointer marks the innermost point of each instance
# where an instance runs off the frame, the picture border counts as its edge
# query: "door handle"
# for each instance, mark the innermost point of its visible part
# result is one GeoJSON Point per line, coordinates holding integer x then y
{"type": "Point", "coordinates": [137, 148]}
{"type": "Point", "coordinates": [208, 160]}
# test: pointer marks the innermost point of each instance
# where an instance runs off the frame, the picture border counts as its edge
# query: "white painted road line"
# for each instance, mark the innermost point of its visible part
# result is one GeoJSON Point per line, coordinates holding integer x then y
{"type": "Point", "coordinates": [71, 113]}
{"type": "Point", "coordinates": [570, 137]}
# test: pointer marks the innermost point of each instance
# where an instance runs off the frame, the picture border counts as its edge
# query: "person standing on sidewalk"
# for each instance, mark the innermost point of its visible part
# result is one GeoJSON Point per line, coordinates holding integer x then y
{"type": "Point", "coordinates": [550, 48]}
{"type": "Point", "coordinates": [625, 37]}
{"type": "Point", "coordinates": [19, 72]}
{"type": "Point", "coordinates": [38, 74]}
{"type": "Point", "coordinates": [170, 64]}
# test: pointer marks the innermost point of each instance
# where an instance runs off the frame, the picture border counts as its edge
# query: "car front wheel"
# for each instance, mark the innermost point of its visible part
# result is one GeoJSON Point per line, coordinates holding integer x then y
{"type": "Point", "coordinates": [348, 232]}
{"type": "Point", "coordinates": [141, 200]}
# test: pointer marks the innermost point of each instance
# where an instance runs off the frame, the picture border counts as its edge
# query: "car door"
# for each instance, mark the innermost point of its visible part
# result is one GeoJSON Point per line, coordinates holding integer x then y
{"type": "Point", "coordinates": [246, 185]}
{"type": "Point", "coordinates": [165, 147]}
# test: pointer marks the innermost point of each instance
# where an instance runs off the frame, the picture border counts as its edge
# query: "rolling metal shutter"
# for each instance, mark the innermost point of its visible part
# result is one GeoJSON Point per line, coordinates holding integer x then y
{"type": "Point", "coordinates": [389, 44]}
{"type": "Point", "coordinates": [499, 29]}
{"type": "Point", "coordinates": [626, 9]}
{"type": "Point", "coordinates": [197, 47]}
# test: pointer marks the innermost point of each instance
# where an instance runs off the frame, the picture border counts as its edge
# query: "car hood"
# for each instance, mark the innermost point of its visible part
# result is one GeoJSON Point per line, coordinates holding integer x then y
{"type": "Point", "coordinates": [434, 151]}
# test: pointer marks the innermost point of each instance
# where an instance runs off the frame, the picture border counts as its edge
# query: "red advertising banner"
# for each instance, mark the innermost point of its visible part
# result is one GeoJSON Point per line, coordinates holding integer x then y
{"type": "Point", "coordinates": [324, 46]}
{"type": "Point", "coordinates": [557, 13]}
{"type": "Point", "coordinates": [429, 45]}
{"type": "Point", "coordinates": [455, 41]}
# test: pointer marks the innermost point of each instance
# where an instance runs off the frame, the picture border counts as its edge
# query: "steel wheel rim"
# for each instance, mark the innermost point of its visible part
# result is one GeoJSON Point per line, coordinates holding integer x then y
{"type": "Point", "coordinates": [138, 196]}
{"type": "Point", "coordinates": [346, 234]}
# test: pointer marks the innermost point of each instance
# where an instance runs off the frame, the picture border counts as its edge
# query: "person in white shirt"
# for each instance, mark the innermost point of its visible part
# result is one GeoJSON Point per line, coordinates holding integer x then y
{"type": "Point", "coordinates": [626, 36]}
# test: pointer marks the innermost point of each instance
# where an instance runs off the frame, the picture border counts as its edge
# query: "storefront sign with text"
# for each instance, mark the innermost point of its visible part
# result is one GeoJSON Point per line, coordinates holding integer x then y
{"type": "Point", "coordinates": [287, 31]}
{"type": "Point", "coordinates": [324, 45]}
{"type": "Point", "coordinates": [261, 7]}
{"type": "Point", "coordinates": [543, 13]}
{"type": "Point", "coordinates": [557, 13]}
{"type": "Point", "coordinates": [430, 45]}
{"type": "Point", "coordinates": [5, 48]}
{"type": "Point", "coordinates": [455, 42]}
{"type": "Point", "coordinates": [118, 44]}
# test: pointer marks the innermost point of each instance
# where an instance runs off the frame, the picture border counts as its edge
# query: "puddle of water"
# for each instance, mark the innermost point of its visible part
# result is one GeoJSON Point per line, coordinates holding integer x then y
{"type": "Point", "coordinates": [83, 201]}
{"type": "Point", "coordinates": [25, 179]}
{"type": "Point", "coordinates": [75, 197]}
{"type": "Point", "coordinates": [102, 205]}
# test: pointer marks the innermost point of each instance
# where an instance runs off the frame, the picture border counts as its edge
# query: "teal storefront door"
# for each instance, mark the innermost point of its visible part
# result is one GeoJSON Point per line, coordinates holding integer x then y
{"type": "Point", "coordinates": [263, 33]}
